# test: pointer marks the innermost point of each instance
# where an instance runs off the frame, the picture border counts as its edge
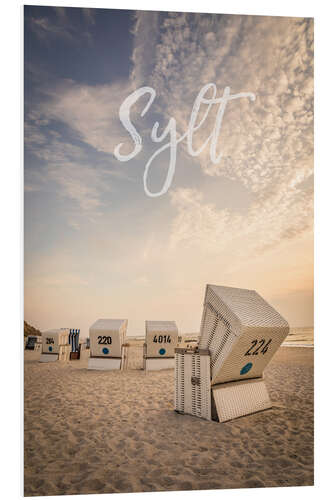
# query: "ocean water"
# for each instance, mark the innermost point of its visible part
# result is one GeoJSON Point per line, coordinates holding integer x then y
{"type": "Point", "coordinates": [300, 337]}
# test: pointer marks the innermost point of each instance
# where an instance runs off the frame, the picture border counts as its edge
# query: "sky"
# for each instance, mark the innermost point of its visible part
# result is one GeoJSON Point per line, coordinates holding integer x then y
{"type": "Point", "coordinates": [96, 245]}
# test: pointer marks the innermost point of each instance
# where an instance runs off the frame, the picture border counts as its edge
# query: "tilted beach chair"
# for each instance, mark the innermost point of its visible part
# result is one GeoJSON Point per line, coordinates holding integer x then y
{"type": "Point", "coordinates": [106, 338]}
{"type": "Point", "coordinates": [159, 348]}
{"type": "Point", "coordinates": [223, 377]}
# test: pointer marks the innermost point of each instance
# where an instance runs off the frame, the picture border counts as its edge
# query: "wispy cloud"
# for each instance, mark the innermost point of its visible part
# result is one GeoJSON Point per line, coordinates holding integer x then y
{"type": "Point", "coordinates": [61, 27]}
{"type": "Point", "coordinates": [92, 111]}
{"type": "Point", "coordinates": [267, 145]}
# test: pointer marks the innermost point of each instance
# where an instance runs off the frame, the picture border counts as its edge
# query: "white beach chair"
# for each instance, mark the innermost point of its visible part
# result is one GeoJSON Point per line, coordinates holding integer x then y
{"type": "Point", "coordinates": [52, 343]}
{"type": "Point", "coordinates": [240, 332]}
{"type": "Point", "coordinates": [107, 337]}
{"type": "Point", "coordinates": [160, 344]}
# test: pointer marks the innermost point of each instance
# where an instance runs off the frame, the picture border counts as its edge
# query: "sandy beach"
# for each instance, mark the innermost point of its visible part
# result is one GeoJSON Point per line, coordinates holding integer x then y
{"type": "Point", "coordinates": [104, 432]}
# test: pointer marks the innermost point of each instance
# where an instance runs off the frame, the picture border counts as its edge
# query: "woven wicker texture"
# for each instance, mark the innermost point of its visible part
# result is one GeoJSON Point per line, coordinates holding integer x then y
{"type": "Point", "coordinates": [161, 339]}
{"type": "Point", "coordinates": [237, 399]}
{"type": "Point", "coordinates": [242, 332]}
{"type": "Point", "coordinates": [179, 383]}
{"type": "Point", "coordinates": [107, 337]}
{"type": "Point", "coordinates": [192, 384]}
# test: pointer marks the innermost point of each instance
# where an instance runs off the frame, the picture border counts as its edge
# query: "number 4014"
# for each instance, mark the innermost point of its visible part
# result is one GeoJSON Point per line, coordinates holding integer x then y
{"type": "Point", "coordinates": [162, 338]}
{"type": "Point", "coordinates": [262, 348]}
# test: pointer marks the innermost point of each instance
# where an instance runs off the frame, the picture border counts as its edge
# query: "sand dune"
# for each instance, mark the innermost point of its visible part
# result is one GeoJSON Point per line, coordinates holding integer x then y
{"type": "Point", "coordinates": [104, 432]}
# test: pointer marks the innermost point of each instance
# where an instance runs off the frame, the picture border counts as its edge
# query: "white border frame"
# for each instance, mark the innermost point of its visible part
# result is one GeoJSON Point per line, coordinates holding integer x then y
{"type": "Point", "coordinates": [12, 222]}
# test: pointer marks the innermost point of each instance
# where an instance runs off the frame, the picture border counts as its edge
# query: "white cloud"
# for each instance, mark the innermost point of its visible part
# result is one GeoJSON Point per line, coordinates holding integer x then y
{"type": "Point", "coordinates": [145, 32]}
{"type": "Point", "coordinates": [267, 145]}
{"type": "Point", "coordinates": [81, 183]}
{"type": "Point", "coordinates": [92, 111]}
{"type": "Point", "coordinates": [61, 27]}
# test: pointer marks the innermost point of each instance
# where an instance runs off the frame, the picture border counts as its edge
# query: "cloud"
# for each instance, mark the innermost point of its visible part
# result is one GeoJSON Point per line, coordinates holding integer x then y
{"type": "Point", "coordinates": [61, 28]}
{"type": "Point", "coordinates": [267, 144]}
{"type": "Point", "coordinates": [78, 173]}
{"type": "Point", "coordinates": [83, 184]}
{"type": "Point", "coordinates": [92, 111]}
{"type": "Point", "coordinates": [271, 133]}
{"type": "Point", "coordinates": [68, 170]}
{"type": "Point", "coordinates": [44, 28]}
{"type": "Point", "coordinates": [145, 33]}
{"type": "Point", "coordinates": [203, 228]}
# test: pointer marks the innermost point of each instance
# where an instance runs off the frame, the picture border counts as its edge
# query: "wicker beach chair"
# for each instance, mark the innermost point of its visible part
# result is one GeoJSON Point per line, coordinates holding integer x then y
{"type": "Point", "coordinates": [159, 348]}
{"type": "Point", "coordinates": [240, 333]}
{"type": "Point", "coordinates": [52, 341]}
{"type": "Point", "coordinates": [107, 337]}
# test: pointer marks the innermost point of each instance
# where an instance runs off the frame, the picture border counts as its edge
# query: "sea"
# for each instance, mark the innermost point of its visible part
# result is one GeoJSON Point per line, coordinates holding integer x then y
{"type": "Point", "coordinates": [300, 337]}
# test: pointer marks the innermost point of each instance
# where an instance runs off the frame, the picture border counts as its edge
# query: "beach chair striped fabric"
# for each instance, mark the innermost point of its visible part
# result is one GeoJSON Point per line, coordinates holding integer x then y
{"type": "Point", "coordinates": [73, 338]}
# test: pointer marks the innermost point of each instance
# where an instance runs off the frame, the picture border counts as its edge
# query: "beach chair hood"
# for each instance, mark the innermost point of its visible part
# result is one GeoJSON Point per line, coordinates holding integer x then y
{"type": "Point", "coordinates": [242, 332]}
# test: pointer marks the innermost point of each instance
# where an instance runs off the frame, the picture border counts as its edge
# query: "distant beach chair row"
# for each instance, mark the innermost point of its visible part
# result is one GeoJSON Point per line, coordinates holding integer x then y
{"type": "Point", "coordinates": [221, 377]}
{"type": "Point", "coordinates": [107, 344]}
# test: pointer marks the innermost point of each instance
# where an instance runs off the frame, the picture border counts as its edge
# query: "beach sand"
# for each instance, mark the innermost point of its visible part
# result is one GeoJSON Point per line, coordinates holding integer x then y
{"type": "Point", "coordinates": [103, 432]}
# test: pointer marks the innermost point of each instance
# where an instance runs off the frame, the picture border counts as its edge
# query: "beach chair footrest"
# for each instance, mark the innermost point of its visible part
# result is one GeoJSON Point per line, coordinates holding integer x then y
{"type": "Point", "coordinates": [236, 399]}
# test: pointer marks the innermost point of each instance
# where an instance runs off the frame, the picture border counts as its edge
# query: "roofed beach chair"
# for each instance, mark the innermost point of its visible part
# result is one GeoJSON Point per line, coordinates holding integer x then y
{"type": "Point", "coordinates": [222, 378]}
{"type": "Point", "coordinates": [159, 348]}
{"type": "Point", "coordinates": [54, 343]}
{"type": "Point", "coordinates": [106, 338]}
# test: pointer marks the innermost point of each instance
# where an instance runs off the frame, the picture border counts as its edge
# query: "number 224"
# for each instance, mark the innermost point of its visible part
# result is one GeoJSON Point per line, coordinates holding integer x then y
{"type": "Point", "coordinates": [257, 350]}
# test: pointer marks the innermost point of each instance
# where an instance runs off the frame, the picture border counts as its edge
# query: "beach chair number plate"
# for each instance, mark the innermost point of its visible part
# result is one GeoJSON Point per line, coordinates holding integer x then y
{"type": "Point", "coordinates": [102, 339]}
{"type": "Point", "coordinates": [262, 346]}
{"type": "Point", "coordinates": [49, 340]}
{"type": "Point", "coordinates": [162, 339]}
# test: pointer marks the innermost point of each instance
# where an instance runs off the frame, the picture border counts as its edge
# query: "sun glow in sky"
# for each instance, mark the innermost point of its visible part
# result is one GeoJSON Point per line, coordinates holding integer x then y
{"type": "Point", "coordinates": [95, 244]}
